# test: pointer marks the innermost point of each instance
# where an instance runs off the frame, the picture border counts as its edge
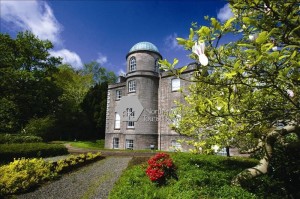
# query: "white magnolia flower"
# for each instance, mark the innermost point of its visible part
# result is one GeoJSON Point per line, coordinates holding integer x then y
{"type": "Point", "coordinates": [275, 48]}
{"type": "Point", "coordinates": [215, 148]}
{"type": "Point", "coordinates": [267, 9]}
{"type": "Point", "coordinates": [235, 89]}
{"type": "Point", "coordinates": [198, 49]}
{"type": "Point", "coordinates": [219, 108]}
{"type": "Point", "coordinates": [253, 37]}
{"type": "Point", "coordinates": [290, 92]}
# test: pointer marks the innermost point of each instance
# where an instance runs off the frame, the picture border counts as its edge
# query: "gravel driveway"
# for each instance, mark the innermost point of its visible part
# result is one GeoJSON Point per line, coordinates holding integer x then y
{"type": "Point", "coordinates": [90, 182]}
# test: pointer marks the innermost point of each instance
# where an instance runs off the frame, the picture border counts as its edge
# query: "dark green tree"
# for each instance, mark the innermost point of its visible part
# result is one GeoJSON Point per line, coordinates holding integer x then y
{"type": "Point", "coordinates": [94, 103]}
{"type": "Point", "coordinates": [100, 74]}
{"type": "Point", "coordinates": [72, 122]}
{"type": "Point", "coordinates": [26, 86]}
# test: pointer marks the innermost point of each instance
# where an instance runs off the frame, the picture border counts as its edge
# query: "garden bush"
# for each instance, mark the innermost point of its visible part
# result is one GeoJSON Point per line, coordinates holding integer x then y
{"type": "Point", "coordinates": [29, 150]}
{"type": "Point", "coordinates": [72, 162]}
{"type": "Point", "coordinates": [43, 127]}
{"type": "Point", "coordinates": [199, 176]}
{"type": "Point", "coordinates": [160, 168]}
{"type": "Point", "coordinates": [23, 174]}
{"type": "Point", "coordinates": [17, 138]}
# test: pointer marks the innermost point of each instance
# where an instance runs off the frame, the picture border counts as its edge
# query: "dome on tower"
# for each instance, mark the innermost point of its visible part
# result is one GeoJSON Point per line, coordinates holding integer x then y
{"type": "Point", "coordinates": [144, 46]}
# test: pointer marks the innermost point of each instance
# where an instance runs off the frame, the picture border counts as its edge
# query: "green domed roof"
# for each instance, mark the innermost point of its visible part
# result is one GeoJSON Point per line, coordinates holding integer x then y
{"type": "Point", "coordinates": [144, 46]}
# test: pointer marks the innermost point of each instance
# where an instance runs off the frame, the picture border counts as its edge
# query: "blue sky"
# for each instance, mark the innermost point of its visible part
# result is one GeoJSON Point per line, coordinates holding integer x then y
{"type": "Point", "coordinates": [104, 31]}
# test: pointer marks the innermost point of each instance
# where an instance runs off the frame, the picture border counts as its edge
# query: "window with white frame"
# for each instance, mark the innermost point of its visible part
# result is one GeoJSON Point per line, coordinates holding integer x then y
{"type": "Point", "coordinates": [118, 94]}
{"type": "Point", "coordinates": [115, 143]}
{"type": "Point", "coordinates": [132, 64]}
{"type": "Point", "coordinates": [117, 121]}
{"type": "Point", "coordinates": [130, 124]}
{"type": "Point", "coordinates": [131, 86]}
{"type": "Point", "coordinates": [175, 83]}
{"type": "Point", "coordinates": [129, 144]}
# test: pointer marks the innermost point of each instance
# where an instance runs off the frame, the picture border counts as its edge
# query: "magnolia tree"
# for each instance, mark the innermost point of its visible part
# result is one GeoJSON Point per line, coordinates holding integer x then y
{"type": "Point", "coordinates": [245, 92]}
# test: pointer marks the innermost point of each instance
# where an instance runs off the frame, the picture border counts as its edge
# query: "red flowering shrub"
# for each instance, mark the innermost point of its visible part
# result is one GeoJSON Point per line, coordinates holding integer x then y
{"type": "Point", "coordinates": [160, 167]}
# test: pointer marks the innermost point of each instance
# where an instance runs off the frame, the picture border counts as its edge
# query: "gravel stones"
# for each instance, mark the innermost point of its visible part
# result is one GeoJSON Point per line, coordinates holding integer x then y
{"type": "Point", "coordinates": [94, 181]}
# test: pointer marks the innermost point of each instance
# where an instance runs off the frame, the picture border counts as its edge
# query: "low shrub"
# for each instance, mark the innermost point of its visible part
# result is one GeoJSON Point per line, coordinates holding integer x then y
{"type": "Point", "coordinates": [160, 168]}
{"type": "Point", "coordinates": [23, 174]}
{"type": "Point", "coordinates": [16, 138]}
{"type": "Point", "coordinates": [72, 162]}
{"type": "Point", "coordinates": [29, 150]}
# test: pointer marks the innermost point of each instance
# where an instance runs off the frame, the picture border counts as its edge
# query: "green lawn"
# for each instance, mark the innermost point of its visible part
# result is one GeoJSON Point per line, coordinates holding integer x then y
{"type": "Point", "coordinates": [199, 176]}
{"type": "Point", "coordinates": [96, 144]}
{"type": "Point", "coordinates": [99, 144]}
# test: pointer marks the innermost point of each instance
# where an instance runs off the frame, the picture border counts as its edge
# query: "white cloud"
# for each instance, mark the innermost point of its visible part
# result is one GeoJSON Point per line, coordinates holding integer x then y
{"type": "Point", "coordinates": [102, 59]}
{"type": "Point", "coordinates": [35, 16]}
{"type": "Point", "coordinates": [69, 57]}
{"type": "Point", "coordinates": [121, 72]}
{"type": "Point", "coordinates": [171, 42]}
{"type": "Point", "coordinates": [225, 13]}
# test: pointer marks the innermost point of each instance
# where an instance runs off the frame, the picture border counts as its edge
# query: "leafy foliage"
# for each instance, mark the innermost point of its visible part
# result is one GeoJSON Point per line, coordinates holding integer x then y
{"type": "Point", "coordinates": [23, 174]}
{"type": "Point", "coordinates": [72, 162]}
{"type": "Point", "coordinates": [248, 94]}
{"type": "Point", "coordinates": [45, 98]}
{"type": "Point", "coordinates": [28, 150]}
{"type": "Point", "coordinates": [249, 84]}
{"type": "Point", "coordinates": [12, 138]}
{"type": "Point", "coordinates": [42, 127]}
{"type": "Point", "coordinates": [94, 106]}
{"type": "Point", "coordinates": [26, 86]}
{"type": "Point", "coordinates": [160, 168]}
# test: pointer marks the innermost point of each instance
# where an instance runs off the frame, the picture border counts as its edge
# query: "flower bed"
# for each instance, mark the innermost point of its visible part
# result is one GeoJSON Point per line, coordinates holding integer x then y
{"type": "Point", "coordinates": [160, 168]}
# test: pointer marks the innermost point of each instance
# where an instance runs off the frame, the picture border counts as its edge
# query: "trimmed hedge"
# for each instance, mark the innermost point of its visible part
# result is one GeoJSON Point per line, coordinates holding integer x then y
{"type": "Point", "coordinates": [73, 162]}
{"type": "Point", "coordinates": [23, 175]}
{"type": "Point", "coordinates": [12, 138]}
{"type": "Point", "coordinates": [29, 150]}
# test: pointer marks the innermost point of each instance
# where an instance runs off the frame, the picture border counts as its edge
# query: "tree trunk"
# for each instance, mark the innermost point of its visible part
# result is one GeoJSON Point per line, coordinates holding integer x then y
{"type": "Point", "coordinates": [262, 166]}
{"type": "Point", "coordinates": [227, 151]}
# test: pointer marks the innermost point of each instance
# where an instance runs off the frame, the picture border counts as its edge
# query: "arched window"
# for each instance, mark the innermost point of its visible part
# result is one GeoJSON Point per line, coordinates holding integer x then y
{"type": "Point", "coordinates": [117, 121]}
{"type": "Point", "coordinates": [132, 64]}
{"type": "Point", "coordinates": [157, 65]}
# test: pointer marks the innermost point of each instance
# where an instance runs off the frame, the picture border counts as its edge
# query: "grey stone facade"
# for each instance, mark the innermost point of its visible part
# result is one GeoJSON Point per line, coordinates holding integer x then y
{"type": "Point", "coordinates": [153, 89]}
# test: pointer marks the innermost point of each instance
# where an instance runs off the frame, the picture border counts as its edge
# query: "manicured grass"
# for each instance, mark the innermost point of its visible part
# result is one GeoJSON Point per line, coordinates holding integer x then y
{"type": "Point", "coordinates": [97, 144]}
{"type": "Point", "coordinates": [199, 176]}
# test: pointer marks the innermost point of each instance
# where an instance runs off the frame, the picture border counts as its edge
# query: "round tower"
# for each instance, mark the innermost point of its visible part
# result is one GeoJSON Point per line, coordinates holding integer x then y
{"type": "Point", "coordinates": [142, 80]}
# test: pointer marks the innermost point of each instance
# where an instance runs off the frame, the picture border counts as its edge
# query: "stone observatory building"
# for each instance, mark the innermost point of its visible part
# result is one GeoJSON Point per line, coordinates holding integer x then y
{"type": "Point", "coordinates": [138, 106]}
